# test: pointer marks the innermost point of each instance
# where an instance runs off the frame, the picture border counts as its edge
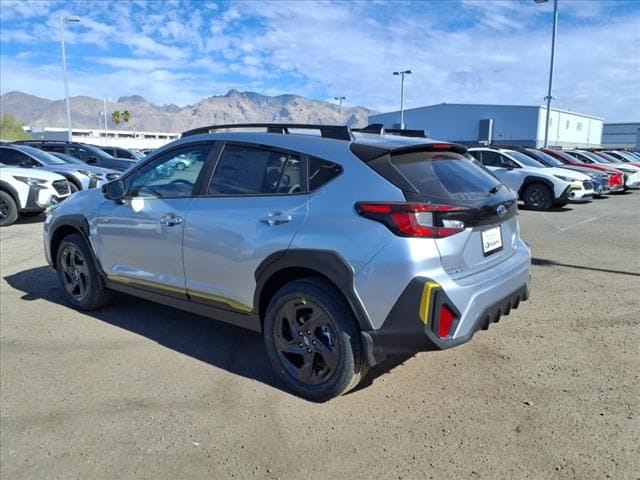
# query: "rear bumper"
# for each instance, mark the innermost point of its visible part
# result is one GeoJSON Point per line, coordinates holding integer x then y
{"type": "Point", "coordinates": [413, 322]}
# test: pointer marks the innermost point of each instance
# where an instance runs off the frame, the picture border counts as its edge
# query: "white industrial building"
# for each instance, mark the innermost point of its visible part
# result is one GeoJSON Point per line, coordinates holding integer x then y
{"type": "Point", "coordinates": [101, 137]}
{"type": "Point", "coordinates": [521, 125]}
{"type": "Point", "coordinates": [621, 135]}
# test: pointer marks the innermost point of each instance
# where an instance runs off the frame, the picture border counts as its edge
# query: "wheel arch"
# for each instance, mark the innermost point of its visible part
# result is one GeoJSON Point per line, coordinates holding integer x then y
{"type": "Point", "coordinates": [284, 267]}
{"type": "Point", "coordinates": [6, 187]}
{"type": "Point", "coordinates": [71, 224]}
{"type": "Point", "coordinates": [531, 179]}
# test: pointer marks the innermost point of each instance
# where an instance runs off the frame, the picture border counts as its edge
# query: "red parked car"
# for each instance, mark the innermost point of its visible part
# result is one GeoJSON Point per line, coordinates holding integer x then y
{"type": "Point", "coordinates": [616, 177]}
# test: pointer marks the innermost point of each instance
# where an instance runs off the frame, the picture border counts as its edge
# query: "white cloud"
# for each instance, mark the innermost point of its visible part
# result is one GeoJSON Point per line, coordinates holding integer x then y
{"type": "Point", "coordinates": [469, 51]}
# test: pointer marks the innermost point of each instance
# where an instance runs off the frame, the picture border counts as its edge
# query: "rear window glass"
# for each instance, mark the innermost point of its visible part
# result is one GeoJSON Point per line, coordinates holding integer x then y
{"type": "Point", "coordinates": [445, 176]}
{"type": "Point", "coordinates": [321, 171]}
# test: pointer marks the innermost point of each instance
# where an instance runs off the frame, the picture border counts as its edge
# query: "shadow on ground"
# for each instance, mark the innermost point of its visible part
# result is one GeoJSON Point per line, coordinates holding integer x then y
{"type": "Point", "coordinates": [225, 346]}
{"type": "Point", "coordinates": [542, 262]}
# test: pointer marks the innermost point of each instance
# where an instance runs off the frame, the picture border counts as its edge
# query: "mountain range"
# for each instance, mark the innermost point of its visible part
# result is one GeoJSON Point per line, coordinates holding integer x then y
{"type": "Point", "coordinates": [234, 107]}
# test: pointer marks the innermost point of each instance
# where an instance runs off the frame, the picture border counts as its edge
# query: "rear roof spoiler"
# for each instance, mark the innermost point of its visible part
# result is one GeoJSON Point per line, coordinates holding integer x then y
{"type": "Point", "coordinates": [378, 129]}
{"type": "Point", "coordinates": [367, 153]}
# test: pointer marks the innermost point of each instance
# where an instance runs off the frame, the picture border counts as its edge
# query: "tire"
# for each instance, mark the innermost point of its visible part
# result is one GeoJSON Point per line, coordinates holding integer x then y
{"type": "Point", "coordinates": [538, 196]}
{"type": "Point", "coordinates": [84, 288]}
{"type": "Point", "coordinates": [8, 209]}
{"type": "Point", "coordinates": [321, 361]}
{"type": "Point", "coordinates": [180, 166]}
{"type": "Point", "coordinates": [73, 188]}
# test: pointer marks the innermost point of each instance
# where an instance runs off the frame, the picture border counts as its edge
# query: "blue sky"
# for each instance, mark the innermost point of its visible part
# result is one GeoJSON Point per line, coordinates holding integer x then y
{"type": "Point", "coordinates": [460, 51]}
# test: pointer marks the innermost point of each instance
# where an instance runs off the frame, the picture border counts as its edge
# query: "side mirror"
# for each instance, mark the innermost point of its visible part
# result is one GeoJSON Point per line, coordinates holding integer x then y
{"type": "Point", "coordinates": [92, 160]}
{"type": "Point", "coordinates": [113, 190]}
{"type": "Point", "coordinates": [27, 163]}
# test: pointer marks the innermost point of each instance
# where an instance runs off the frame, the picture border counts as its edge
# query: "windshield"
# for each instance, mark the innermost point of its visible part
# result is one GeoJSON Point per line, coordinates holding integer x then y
{"type": "Point", "coordinates": [525, 160]}
{"type": "Point", "coordinates": [42, 156]}
{"type": "Point", "coordinates": [594, 157]}
{"type": "Point", "coordinates": [546, 159]}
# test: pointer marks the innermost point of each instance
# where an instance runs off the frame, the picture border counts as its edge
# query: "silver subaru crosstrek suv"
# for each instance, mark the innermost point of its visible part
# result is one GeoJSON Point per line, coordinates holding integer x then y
{"type": "Point", "coordinates": [341, 246]}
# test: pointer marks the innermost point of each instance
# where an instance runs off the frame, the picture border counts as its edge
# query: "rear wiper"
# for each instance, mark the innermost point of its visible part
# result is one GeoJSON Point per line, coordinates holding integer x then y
{"type": "Point", "coordinates": [495, 189]}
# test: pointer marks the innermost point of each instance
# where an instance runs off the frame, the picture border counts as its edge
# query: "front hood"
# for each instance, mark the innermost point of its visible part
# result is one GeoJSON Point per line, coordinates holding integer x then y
{"type": "Point", "coordinates": [30, 172]}
{"type": "Point", "coordinates": [76, 168]}
{"type": "Point", "coordinates": [567, 173]}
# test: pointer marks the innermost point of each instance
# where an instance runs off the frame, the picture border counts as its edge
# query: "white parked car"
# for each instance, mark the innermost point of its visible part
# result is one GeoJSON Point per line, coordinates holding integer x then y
{"type": "Point", "coordinates": [539, 187]}
{"type": "Point", "coordinates": [27, 191]}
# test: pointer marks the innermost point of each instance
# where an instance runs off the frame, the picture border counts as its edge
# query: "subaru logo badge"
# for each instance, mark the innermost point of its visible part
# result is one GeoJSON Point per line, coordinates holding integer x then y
{"type": "Point", "coordinates": [501, 211]}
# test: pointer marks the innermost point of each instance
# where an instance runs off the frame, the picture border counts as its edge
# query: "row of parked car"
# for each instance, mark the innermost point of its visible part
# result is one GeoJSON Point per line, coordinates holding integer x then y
{"type": "Point", "coordinates": [547, 178]}
{"type": "Point", "coordinates": [35, 174]}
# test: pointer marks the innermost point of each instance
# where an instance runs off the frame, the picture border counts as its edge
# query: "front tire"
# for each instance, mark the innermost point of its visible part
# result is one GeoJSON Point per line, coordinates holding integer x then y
{"type": "Point", "coordinates": [538, 196]}
{"type": "Point", "coordinates": [8, 209]}
{"type": "Point", "coordinates": [312, 340]}
{"type": "Point", "coordinates": [78, 275]}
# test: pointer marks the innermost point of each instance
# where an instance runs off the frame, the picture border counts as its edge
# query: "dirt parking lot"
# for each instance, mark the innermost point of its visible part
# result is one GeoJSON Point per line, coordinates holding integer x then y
{"type": "Point", "coordinates": [144, 391]}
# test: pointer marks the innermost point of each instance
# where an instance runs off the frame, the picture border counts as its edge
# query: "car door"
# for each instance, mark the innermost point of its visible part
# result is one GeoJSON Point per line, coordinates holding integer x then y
{"type": "Point", "coordinates": [254, 204]}
{"type": "Point", "coordinates": [139, 239]}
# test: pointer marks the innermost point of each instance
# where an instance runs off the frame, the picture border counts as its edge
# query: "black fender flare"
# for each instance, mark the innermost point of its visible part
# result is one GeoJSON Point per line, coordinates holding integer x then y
{"type": "Point", "coordinates": [327, 263]}
{"type": "Point", "coordinates": [79, 223]}
{"type": "Point", "coordinates": [7, 187]}
{"type": "Point", "coordinates": [529, 179]}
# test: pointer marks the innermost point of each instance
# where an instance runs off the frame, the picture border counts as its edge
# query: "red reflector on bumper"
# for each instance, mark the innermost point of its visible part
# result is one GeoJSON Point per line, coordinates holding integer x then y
{"type": "Point", "coordinates": [447, 318]}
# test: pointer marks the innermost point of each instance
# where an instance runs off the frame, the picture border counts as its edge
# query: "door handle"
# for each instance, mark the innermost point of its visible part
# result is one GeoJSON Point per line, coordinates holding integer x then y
{"type": "Point", "coordinates": [276, 218]}
{"type": "Point", "coordinates": [171, 220]}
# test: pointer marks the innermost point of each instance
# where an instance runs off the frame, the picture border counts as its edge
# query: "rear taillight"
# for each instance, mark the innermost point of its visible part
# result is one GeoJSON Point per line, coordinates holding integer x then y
{"type": "Point", "coordinates": [414, 219]}
{"type": "Point", "coordinates": [616, 179]}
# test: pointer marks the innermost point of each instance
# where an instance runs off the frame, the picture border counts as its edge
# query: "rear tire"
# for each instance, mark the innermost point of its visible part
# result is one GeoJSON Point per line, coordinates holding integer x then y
{"type": "Point", "coordinates": [537, 196]}
{"type": "Point", "coordinates": [78, 275]}
{"type": "Point", "coordinates": [312, 340]}
{"type": "Point", "coordinates": [73, 188]}
{"type": "Point", "coordinates": [8, 209]}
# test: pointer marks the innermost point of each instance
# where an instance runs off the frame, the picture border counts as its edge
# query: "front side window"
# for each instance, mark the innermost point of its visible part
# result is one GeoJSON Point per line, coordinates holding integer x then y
{"type": "Point", "coordinates": [8, 156]}
{"type": "Point", "coordinates": [173, 174]}
{"type": "Point", "coordinates": [256, 171]}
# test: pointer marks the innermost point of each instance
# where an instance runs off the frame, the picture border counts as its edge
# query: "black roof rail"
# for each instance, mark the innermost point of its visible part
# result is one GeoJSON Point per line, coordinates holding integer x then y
{"type": "Point", "coordinates": [378, 129]}
{"type": "Point", "coordinates": [337, 132]}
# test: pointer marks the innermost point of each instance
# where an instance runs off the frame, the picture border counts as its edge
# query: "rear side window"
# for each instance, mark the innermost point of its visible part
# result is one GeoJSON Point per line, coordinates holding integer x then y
{"type": "Point", "coordinates": [321, 172]}
{"type": "Point", "coordinates": [256, 171]}
{"type": "Point", "coordinates": [442, 177]}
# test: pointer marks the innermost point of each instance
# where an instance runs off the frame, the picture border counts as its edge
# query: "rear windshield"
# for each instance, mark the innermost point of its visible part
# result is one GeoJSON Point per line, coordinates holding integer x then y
{"type": "Point", "coordinates": [445, 176]}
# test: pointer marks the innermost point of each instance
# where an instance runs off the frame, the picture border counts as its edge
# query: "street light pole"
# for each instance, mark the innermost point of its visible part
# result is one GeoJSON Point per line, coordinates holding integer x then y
{"type": "Point", "coordinates": [402, 74]}
{"type": "Point", "coordinates": [64, 69]}
{"type": "Point", "coordinates": [549, 97]}
{"type": "Point", "coordinates": [340, 99]}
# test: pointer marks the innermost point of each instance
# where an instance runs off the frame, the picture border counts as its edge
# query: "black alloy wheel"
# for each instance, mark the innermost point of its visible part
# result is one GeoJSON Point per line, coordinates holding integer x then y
{"type": "Point", "coordinates": [538, 197]}
{"type": "Point", "coordinates": [75, 273]}
{"type": "Point", "coordinates": [313, 339]}
{"type": "Point", "coordinates": [8, 209]}
{"type": "Point", "coordinates": [305, 339]}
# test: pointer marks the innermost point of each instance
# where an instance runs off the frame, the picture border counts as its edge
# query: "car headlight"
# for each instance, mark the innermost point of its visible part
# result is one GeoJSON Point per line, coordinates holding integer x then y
{"type": "Point", "coordinates": [32, 182]}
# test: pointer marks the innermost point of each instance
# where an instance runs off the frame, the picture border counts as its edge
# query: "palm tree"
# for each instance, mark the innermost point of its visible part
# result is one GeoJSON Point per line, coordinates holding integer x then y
{"type": "Point", "coordinates": [116, 117]}
{"type": "Point", "coordinates": [126, 116]}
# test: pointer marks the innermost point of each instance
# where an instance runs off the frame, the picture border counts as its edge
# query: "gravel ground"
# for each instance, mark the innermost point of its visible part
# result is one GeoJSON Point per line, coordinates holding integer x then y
{"type": "Point", "coordinates": [144, 391]}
